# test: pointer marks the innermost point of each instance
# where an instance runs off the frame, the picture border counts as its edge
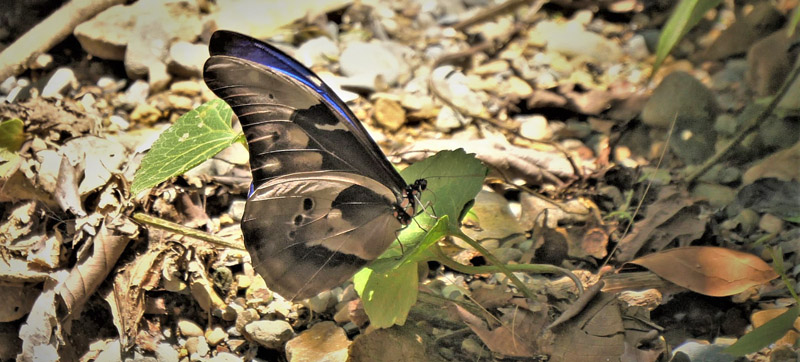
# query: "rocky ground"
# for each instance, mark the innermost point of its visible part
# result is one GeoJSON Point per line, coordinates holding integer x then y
{"type": "Point", "coordinates": [678, 189]}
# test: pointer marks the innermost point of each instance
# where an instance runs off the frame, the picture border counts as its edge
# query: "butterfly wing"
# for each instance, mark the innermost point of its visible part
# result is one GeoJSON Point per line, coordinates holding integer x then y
{"type": "Point", "coordinates": [292, 120]}
{"type": "Point", "coordinates": [325, 197]}
{"type": "Point", "coordinates": [312, 231]}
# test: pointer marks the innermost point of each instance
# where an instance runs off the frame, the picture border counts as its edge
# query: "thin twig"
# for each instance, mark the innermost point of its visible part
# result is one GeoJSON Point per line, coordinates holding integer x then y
{"type": "Point", "coordinates": [183, 230]}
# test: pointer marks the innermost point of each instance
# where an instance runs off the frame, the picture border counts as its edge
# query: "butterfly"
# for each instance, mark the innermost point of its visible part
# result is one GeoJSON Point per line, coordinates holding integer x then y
{"type": "Point", "coordinates": [326, 201]}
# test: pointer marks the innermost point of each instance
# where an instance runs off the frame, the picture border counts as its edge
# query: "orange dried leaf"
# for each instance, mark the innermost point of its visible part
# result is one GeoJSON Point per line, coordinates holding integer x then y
{"type": "Point", "coordinates": [709, 270]}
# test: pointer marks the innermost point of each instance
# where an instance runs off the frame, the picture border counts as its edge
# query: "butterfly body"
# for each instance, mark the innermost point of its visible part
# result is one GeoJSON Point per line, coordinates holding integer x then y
{"type": "Point", "coordinates": [326, 201]}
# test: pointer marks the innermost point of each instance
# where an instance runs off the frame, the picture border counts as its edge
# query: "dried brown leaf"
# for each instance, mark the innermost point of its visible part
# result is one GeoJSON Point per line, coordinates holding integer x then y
{"type": "Point", "coordinates": [89, 272]}
{"type": "Point", "coordinates": [502, 339]}
{"type": "Point", "coordinates": [670, 202]}
{"type": "Point", "coordinates": [597, 334]}
{"type": "Point", "coordinates": [709, 270]}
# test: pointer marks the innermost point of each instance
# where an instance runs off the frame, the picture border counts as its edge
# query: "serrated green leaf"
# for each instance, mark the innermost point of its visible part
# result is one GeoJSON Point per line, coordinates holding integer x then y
{"type": "Point", "coordinates": [764, 335]}
{"type": "Point", "coordinates": [388, 287]}
{"type": "Point", "coordinates": [195, 137]}
{"type": "Point", "coordinates": [11, 134]}
{"type": "Point", "coordinates": [387, 296]}
{"type": "Point", "coordinates": [454, 178]}
{"type": "Point", "coordinates": [683, 18]}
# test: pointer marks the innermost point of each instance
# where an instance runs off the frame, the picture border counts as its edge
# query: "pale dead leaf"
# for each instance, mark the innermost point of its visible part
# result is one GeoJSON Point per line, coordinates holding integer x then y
{"type": "Point", "coordinates": [20, 222]}
{"type": "Point", "coordinates": [41, 333]}
{"type": "Point", "coordinates": [709, 270]}
{"type": "Point", "coordinates": [67, 189]}
{"type": "Point", "coordinates": [89, 272]}
{"type": "Point", "coordinates": [19, 271]}
{"type": "Point", "coordinates": [16, 301]}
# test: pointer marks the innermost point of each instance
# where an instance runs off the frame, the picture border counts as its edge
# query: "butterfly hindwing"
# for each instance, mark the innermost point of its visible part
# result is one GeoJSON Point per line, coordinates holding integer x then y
{"type": "Point", "coordinates": [309, 220]}
{"type": "Point", "coordinates": [326, 200]}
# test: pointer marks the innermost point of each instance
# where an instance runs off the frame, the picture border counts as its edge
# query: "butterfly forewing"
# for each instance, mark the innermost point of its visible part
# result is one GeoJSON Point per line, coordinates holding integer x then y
{"type": "Point", "coordinates": [326, 199]}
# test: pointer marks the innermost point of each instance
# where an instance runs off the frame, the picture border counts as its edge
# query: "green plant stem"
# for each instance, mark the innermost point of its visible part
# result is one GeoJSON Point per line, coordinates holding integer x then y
{"type": "Point", "coordinates": [691, 178]}
{"type": "Point", "coordinates": [777, 260]}
{"type": "Point", "coordinates": [183, 230]}
{"type": "Point", "coordinates": [529, 268]}
{"type": "Point", "coordinates": [498, 266]}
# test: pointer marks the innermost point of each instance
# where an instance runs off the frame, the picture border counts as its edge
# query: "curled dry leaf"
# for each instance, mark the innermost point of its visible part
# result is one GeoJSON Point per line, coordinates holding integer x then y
{"type": "Point", "coordinates": [709, 270]}
{"type": "Point", "coordinates": [91, 271]}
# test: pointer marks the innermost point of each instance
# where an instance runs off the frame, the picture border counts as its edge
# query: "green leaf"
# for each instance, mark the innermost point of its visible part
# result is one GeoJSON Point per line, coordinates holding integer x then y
{"type": "Point", "coordinates": [195, 137]}
{"type": "Point", "coordinates": [684, 18]}
{"type": "Point", "coordinates": [454, 178]}
{"type": "Point", "coordinates": [11, 134]}
{"type": "Point", "coordinates": [387, 296]}
{"type": "Point", "coordinates": [388, 287]}
{"type": "Point", "coordinates": [766, 334]}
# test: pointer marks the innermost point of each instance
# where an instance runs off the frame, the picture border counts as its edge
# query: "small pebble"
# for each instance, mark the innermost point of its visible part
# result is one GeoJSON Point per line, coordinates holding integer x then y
{"type": "Point", "coordinates": [7, 85]}
{"type": "Point", "coordinates": [270, 334]}
{"type": "Point", "coordinates": [58, 84]}
{"type": "Point", "coordinates": [189, 328]}
{"type": "Point", "coordinates": [216, 335]}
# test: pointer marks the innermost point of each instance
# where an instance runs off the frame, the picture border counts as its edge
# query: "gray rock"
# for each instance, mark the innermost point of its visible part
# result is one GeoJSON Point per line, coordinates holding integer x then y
{"type": "Point", "coordinates": [744, 32]}
{"type": "Point", "coordinates": [448, 120]}
{"type": "Point", "coordinates": [730, 76]}
{"type": "Point", "coordinates": [571, 39]}
{"type": "Point", "coordinates": [8, 85]}
{"type": "Point", "coordinates": [189, 328]}
{"type": "Point", "coordinates": [42, 61]}
{"type": "Point", "coordinates": [637, 47]}
{"type": "Point", "coordinates": [119, 122]}
{"type": "Point", "coordinates": [157, 25]}
{"type": "Point", "coordinates": [270, 334]}
{"type": "Point", "coordinates": [165, 353]}
{"type": "Point", "coordinates": [321, 302]}
{"type": "Point", "coordinates": [62, 80]}
{"type": "Point", "coordinates": [317, 51]}
{"type": "Point", "coordinates": [136, 94]}
{"type": "Point", "coordinates": [454, 86]}
{"type": "Point", "coordinates": [769, 62]}
{"type": "Point", "coordinates": [369, 60]}
{"type": "Point", "coordinates": [187, 59]}
{"type": "Point", "coordinates": [534, 127]}
{"type": "Point", "coordinates": [111, 85]}
{"type": "Point", "coordinates": [683, 98]}
{"type": "Point", "coordinates": [651, 37]}
{"type": "Point", "coordinates": [106, 35]}
{"type": "Point", "coordinates": [197, 345]}
{"type": "Point", "coordinates": [679, 94]}
{"type": "Point", "coordinates": [216, 336]}
{"type": "Point", "coordinates": [726, 124]}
